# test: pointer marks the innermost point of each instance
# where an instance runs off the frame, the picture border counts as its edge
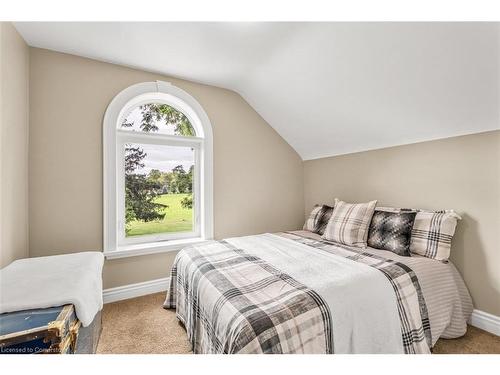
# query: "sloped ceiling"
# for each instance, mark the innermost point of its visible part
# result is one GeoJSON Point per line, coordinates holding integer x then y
{"type": "Point", "coordinates": [326, 88]}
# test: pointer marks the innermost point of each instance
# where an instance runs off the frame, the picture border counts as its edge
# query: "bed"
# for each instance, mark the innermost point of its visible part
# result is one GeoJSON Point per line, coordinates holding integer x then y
{"type": "Point", "coordinates": [294, 292]}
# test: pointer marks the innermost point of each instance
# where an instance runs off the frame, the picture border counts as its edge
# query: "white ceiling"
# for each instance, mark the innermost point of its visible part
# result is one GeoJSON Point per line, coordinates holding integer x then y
{"type": "Point", "coordinates": [327, 88]}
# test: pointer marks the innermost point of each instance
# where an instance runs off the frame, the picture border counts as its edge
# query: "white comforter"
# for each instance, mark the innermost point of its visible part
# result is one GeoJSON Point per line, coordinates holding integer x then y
{"type": "Point", "coordinates": [361, 299]}
{"type": "Point", "coordinates": [43, 282]}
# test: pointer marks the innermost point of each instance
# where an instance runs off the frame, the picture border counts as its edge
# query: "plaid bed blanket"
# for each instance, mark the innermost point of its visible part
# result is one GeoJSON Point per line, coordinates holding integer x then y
{"type": "Point", "coordinates": [412, 309]}
{"type": "Point", "coordinates": [233, 302]}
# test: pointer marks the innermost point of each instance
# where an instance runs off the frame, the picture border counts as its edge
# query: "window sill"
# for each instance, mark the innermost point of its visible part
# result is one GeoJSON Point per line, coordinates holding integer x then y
{"type": "Point", "coordinates": [151, 248]}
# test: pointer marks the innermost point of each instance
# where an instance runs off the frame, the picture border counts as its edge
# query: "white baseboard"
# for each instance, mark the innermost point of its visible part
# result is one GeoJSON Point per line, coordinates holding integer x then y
{"type": "Point", "coordinates": [485, 321]}
{"type": "Point", "coordinates": [135, 290]}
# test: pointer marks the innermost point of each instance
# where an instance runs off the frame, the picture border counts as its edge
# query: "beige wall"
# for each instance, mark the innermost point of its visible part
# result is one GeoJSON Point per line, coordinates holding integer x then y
{"type": "Point", "coordinates": [461, 173]}
{"type": "Point", "coordinates": [257, 175]}
{"type": "Point", "coordinates": [14, 63]}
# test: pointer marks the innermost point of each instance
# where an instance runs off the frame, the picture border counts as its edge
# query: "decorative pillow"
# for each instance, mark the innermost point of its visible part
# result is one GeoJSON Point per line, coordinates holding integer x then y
{"type": "Point", "coordinates": [323, 218]}
{"type": "Point", "coordinates": [432, 233]}
{"type": "Point", "coordinates": [391, 231]}
{"type": "Point", "coordinates": [311, 221]}
{"type": "Point", "coordinates": [318, 219]}
{"type": "Point", "coordinates": [349, 223]}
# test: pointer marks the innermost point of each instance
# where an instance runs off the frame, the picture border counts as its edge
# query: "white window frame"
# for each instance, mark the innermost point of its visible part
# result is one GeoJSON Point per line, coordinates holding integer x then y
{"type": "Point", "coordinates": [115, 243]}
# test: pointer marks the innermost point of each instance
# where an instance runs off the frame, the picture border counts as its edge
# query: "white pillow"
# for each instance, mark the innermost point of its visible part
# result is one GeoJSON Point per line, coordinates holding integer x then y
{"type": "Point", "coordinates": [432, 233]}
{"type": "Point", "coordinates": [349, 223]}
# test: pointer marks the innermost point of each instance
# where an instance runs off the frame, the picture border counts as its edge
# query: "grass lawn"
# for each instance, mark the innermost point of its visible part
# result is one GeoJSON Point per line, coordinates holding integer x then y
{"type": "Point", "coordinates": [177, 218]}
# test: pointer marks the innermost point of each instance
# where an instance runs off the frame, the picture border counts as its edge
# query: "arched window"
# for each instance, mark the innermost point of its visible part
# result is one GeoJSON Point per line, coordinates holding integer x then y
{"type": "Point", "coordinates": [157, 171]}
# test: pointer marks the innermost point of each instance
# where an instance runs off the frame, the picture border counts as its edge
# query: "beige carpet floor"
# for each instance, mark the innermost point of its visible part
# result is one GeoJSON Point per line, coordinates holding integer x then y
{"type": "Point", "coordinates": [141, 325]}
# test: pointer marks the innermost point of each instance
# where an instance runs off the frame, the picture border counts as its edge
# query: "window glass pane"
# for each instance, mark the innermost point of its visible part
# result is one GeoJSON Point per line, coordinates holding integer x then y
{"type": "Point", "coordinates": [158, 189]}
{"type": "Point", "coordinates": [158, 118]}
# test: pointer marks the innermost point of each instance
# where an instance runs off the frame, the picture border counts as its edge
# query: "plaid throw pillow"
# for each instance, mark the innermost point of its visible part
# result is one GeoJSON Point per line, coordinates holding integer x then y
{"type": "Point", "coordinates": [349, 223]}
{"type": "Point", "coordinates": [432, 233]}
{"type": "Point", "coordinates": [391, 231]}
{"type": "Point", "coordinates": [323, 218]}
{"type": "Point", "coordinates": [311, 221]}
{"type": "Point", "coordinates": [318, 219]}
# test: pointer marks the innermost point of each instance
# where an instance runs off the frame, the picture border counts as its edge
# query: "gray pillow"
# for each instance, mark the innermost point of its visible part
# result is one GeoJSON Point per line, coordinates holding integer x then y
{"type": "Point", "coordinates": [391, 231]}
{"type": "Point", "coordinates": [322, 219]}
{"type": "Point", "coordinates": [318, 219]}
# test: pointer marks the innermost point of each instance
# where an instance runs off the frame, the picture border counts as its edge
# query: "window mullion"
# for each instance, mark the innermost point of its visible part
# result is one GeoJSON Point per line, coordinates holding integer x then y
{"type": "Point", "coordinates": [120, 189]}
{"type": "Point", "coordinates": [153, 138]}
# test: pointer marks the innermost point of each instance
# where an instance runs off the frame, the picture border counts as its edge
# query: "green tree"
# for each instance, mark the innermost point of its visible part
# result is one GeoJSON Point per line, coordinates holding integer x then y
{"type": "Point", "coordinates": [140, 192]}
{"type": "Point", "coordinates": [155, 175]}
{"type": "Point", "coordinates": [153, 113]}
{"type": "Point", "coordinates": [187, 202]}
{"type": "Point", "coordinates": [181, 182]}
